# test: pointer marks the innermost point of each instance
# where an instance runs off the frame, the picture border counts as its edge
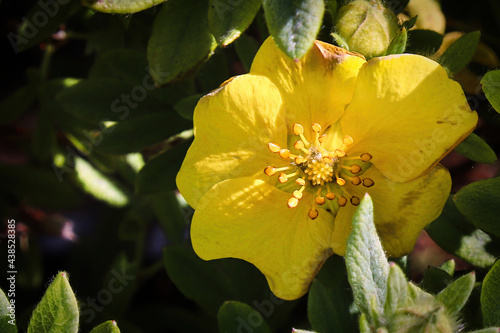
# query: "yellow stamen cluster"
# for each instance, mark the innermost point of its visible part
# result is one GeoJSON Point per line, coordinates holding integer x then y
{"type": "Point", "coordinates": [319, 169]}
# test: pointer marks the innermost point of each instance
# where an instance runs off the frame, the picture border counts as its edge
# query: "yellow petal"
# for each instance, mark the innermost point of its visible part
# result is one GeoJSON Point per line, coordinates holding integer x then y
{"type": "Point", "coordinates": [407, 114]}
{"type": "Point", "coordinates": [249, 219]}
{"type": "Point", "coordinates": [233, 127]}
{"type": "Point", "coordinates": [401, 210]}
{"type": "Point", "coordinates": [316, 88]}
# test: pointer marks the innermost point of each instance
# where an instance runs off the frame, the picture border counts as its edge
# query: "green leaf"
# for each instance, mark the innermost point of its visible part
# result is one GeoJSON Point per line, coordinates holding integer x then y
{"type": "Point", "coordinates": [211, 283]}
{"type": "Point", "coordinates": [457, 236]}
{"type": "Point", "coordinates": [185, 107]}
{"type": "Point", "coordinates": [44, 142]}
{"type": "Point", "coordinates": [58, 309]}
{"type": "Point", "coordinates": [43, 19]}
{"type": "Point", "coordinates": [425, 42]}
{"type": "Point", "coordinates": [458, 55]}
{"type": "Point", "coordinates": [455, 295]}
{"type": "Point", "coordinates": [415, 294]}
{"type": "Point", "coordinates": [94, 101]}
{"type": "Point", "coordinates": [236, 316]}
{"type": "Point", "coordinates": [367, 267]}
{"type": "Point", "coordinates": [107, 327]}
{"type": "Point", "coordinates": [448, 267]}
{"type": "Point", "coordinates": [478, 202]}
{"type": "Point", "coordinates": [410, 23]}
{"type": "Point", "coordinates": [246, 49]}
{"type": "Point", "coordinates": [490, 300]}
{"type": "Point", "coordinates": [364, 324]}
{"type": "Point", "coordinates": [491, 88]}
{"type": "Point", "coordinates": [131, 135]}
{"type": "Point", "coordinates": [172, 217]}
{"type": "Point", "coordinates": [180, 40]}
{"type": "Point", "coordinates": [126, 65]}
{"type": "Point", "coordinates": [398, 43]}
{"type": "Point", "coordinates": [7, 318]}
{"type": "Point", "coordinates": [322, 310]}
{"type": "Point", "coordinates": [397, 288]}
{"type": "Point", "coordinates": [476, 149]}
{"type": "Point", "coordinates": [228, 19]}
{"type": "Point", "coordinates": [158, 175]}
{"type": "Point", "coordinates": [294, 25]}
{"type": "Point", "coordinates": [487, 330]}
{"type": "Point", "coordinates": [18, 102]}
{"type": "Point", "coordinates": [120, 6]}
{"type": "Point", "coordinates": [333, 278]}
{"type": "Point", "coordinates": [99, 185]}
{"type": "Point", "coordinates": [332, 6]}
{"type": "Point", "coordinates": [435, 280]}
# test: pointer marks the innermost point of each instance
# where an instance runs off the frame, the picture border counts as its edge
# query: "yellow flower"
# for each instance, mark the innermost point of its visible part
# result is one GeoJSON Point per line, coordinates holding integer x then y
{"type": "Point", "coordinates": [282, 156]}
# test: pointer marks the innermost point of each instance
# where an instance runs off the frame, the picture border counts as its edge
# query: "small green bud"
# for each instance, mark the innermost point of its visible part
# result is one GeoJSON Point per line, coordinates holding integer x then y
{"type": "Point", "coordinates": [366, 26]}
{"type": "Point", "coordinates": [424, 315]}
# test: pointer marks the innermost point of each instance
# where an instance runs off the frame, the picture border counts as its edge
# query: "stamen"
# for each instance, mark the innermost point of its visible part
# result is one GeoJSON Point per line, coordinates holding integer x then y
{"type": "Point", "coordinates": [330, 195]}
{"type": "Point", "coordinates": [299, 159]}
{"type": "Point", "coordinates": [342, 201]}
{"type": "Point", "coordinates": [284, 153]}
{"type": "Point", "coordinates": [313, 213]}
{"type": "Point", "coordinates": [273, 147]}
{"type": "Point", "coordinates": [283, 178]}
{"type": "Point", "coordinates": [339, 152]}
{"type": "Point", "coordinates": [292, 202]}
{"type": "Point", "coordinates": [298, 193]}
{"type": "Point", "coordinates": [320, 200]}
{"type": "Point", "coordinates": [355, 200]}
{"type": "Point", "coordinates": [347, 140]}
{"type": "Point", "coordinates": [300, 181]}
{"type": "Point", "coordinates": [368, 182]}
{"type": "Point", "coordinates": [355, 180]}
{"type": "Point", "coordinates": [341, 181]}
{"type": "Point", "coordinates": [327, 159]}
{"type": "Point", "coordinates": [299, 145]}
{"type": "Point", "coordinates": [298, 129]}
{"type": "Point", "coordinates": [270, 171]}
{"type": "Point", "coordinates": [365, 157]}
{"type": "Point", "coordinates": [322, 138]}
{"type": "Point", "coordinates": [316, 127]}
{"type": "Point", "coordinates": [355, 169]}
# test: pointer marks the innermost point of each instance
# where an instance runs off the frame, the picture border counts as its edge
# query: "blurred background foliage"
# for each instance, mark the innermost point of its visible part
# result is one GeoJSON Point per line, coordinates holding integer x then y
{"type": "Point", "coordinates": [96, 117]}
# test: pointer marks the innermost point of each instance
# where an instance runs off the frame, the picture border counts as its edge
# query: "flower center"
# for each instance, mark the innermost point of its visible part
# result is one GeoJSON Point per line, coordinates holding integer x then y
{"type": "Point", "coordinates": [320, 171]}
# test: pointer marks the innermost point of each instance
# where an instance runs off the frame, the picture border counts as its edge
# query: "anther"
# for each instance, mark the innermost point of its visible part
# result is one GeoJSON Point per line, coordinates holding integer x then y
{"type": "Point", "coordinates": [347, 140]}
{"type": "Point", "coordinates": [299, 145]}
{"type": "Point", "coordinates": [297, 194]}
{"type": "Point", "coordinates": [300, 160]}
{"type": "Point", "coordinates": [292, 202]}
{"type": "Point", "coordinates": [355, 181]}
{"type": "Point", "coordinates": [284, 153]}
{"type": "Point", "coordinates": [320, 200]}
{"type": "Point", "coordinates": [327, 159]}
{"type": "Point", "coordinates": [273, 147]}
{"type": "Point", "coordinates": [330, 195]}
{"type": "Point", "coordinates": [313, 213]}
{"type": "Point", "coordinates": [300, 181]}
{"type": "Point", "coordinates": [341, 181]}
{"type": "Point", "coordinates": [368, 182]}
{"type": "Point", "coordinates": [355, 169]}
{"type": "Point", "coordinates": [283, 178]}
{"type": "Point", "coordinates": [355, 200]}
{"type": "Point", "coordinates": [365, 157]}
{"type": "Point", "coordinates": [316, 127]}
{"type": "Point", "coordinates": [340, 153]}
{"type": "Point", "coordinates": [270, 171]}
{"type": "Point", "coordinates": [342, 201]}
{"type": "Point", "coordinates": [322, 138]}
{"type": "Point", "coordinates": [298, 129]}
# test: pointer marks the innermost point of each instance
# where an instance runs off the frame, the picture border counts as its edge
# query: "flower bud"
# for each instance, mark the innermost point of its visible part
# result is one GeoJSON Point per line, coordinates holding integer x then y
{"type": "Point", "coordinates": [366, 26]}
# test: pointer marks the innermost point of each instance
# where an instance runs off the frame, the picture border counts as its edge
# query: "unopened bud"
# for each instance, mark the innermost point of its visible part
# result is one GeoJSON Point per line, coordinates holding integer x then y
{"type": "Point", "coordinates": [366, 26]}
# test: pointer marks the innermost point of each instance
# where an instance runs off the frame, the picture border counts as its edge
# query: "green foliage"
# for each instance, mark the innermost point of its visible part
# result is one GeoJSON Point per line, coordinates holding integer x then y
{"type": "Point", "coordinates": [58, 309]}
{"type": "Point", "coordinates": [425, 42]}
{"type": "Point", "coordinates": [490, 302]}
{"type": "Point", "coordinates": [107, 327]}
{"type": "Point", "coordinates": [476, 149]}
{"type": "Point", "coordinates": [458, 55]}
{"type": "Point", "coordinates": [7, 319]}
{"type": "Point", "coordinates": [120, 7]}
{"type": "Point", "coordinates": [236, 316]}
{"type": "Point", "coordinates": [294, 25]}
{"type": "Point", "coordinates": [491, 88]}
{"type": "Point", "coordinates": [478, 203]}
